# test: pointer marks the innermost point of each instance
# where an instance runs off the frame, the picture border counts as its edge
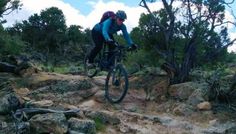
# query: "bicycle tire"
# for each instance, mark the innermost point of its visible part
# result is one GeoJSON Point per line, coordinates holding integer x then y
{"type": "Point", "coordinates": [112, 84]}
{"type": "Point", "coordinates": [89, 71]}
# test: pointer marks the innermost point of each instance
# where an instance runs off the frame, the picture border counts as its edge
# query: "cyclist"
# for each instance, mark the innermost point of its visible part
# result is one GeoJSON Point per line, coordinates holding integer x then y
{"type": "Point", "coordinates": [103, 32]}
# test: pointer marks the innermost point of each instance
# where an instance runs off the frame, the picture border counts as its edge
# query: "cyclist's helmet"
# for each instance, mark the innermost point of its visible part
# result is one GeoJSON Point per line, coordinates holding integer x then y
{"type": "Point", "coordinates": [121, 14]}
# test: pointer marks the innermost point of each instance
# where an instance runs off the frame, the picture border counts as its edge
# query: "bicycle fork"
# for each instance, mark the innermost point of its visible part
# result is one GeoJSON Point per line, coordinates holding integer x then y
{"type": "Point", "coordinates": [116, 77]}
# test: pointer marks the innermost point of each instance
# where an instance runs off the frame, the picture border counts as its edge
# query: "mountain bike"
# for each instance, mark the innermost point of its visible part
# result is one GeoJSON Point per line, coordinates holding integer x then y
{"type": "Point", "coordinates": [116, 85]}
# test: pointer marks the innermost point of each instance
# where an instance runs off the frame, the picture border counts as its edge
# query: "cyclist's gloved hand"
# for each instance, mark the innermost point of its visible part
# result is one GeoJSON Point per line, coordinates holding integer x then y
{"type": "Point", "coordinates": [132, 47]}
{"type": "Point", "coordinates": [110, 42]}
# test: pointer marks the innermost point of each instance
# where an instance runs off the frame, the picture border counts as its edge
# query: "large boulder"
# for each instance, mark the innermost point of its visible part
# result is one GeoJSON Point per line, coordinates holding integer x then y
{"type": "Point", "coordinates": [67, 91]}
{"type": "Point", "coordinates": [8, 99]}
{"type": "Point", "coordinates": [182, 91]}
{"type": "Point", "coordinates": [183, 110]}
{"type": "Point", "coordinates": [105, 117]}
{"type": "Point", "coordinates": [199, 95]}
{"type": "Point", "coordinates": [40, 104]}
{"type": "Point", "coordinates": [49, 123]}
{"type": "Point", "coordinates": [82, 126]}
{"type": "Point", "coordinates": [26, 69]}
{"type": "Point", "coordinates": [19, 65]}
{"type": "Point", "coordinates": [204, 106]}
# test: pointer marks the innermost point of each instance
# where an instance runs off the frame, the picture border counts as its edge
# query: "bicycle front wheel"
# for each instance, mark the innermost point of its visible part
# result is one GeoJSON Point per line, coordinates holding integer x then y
{"type": "Point", "coordinates": [117, 84]}
{"type": "Point", "coordinates": [90, 71]}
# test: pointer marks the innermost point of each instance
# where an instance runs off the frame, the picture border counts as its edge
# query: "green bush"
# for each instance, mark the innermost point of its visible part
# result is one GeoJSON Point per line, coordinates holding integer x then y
{"type": "Point", "coordinates": [63, 69]}
{"type": "Point", "coordinates": [10, 45]}
{"type": "Point", "coordinates": [135, 61]}
{"type": "Point", "coordinates": [100, 126]}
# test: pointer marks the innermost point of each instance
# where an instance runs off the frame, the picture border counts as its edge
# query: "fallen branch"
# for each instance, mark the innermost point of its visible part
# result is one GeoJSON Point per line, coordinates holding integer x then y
{"type": "Point", "coordinates": [29, 112]}
{"type": "Point", "coordinates": [6, 67]}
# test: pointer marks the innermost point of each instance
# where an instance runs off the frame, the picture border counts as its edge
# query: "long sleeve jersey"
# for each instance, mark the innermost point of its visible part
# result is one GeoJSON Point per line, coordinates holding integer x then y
{"type": "Point", "coordinates": [110, 27]}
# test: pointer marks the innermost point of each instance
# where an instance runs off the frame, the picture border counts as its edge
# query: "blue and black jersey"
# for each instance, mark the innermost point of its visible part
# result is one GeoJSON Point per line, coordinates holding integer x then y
{"type": "Point", "coordinates": [110, 27]}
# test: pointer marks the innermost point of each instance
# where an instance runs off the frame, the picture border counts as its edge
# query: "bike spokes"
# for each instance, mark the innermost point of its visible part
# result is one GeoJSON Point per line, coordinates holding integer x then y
{"type": "Point", "coordinates": [116, 84]}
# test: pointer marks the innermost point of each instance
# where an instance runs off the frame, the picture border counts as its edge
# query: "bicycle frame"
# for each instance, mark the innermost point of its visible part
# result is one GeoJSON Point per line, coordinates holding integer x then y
{"type": "Point", "coordinates": [104, 61]}
{"type": "Point", "coordinates": [117, 83]}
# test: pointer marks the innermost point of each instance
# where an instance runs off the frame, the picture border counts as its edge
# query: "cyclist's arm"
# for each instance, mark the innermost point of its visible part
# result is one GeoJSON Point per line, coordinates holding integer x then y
{"type": "Point", "coordinates": [126, 35]}
{"type": "Point", "coordinates": [105, 28]}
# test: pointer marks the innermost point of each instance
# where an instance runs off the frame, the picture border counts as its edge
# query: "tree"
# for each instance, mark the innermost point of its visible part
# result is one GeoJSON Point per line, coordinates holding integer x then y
{"type": "Point", "coordinates": [9, 44]}
{"type": "Point", "coordinates": [7, 6]}
{"type": "Point", "coordinates": [186, 42]}
{"type": "Point", "coordinates": [45, 32]}
{"type": "Point", "coordinates": [73, 39]}
{"type": "Point", "coordinates": [77, 41]}
{"type": "Point", "coordinates": [53, 28]}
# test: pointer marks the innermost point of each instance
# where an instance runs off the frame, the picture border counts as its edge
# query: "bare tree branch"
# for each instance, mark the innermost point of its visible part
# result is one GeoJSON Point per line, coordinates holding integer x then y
{"type": "Point", "coordinates": [228, 3]}
{"type": "Point", "coordinates": [226, 22]}
{"type": "Point", "coordinates": [144, 4]}
{"type": "Point", "coordinates": [9, 6]}
{"type": "Point", "coordinates": [195, 30]}
{"type": "Point", "coordinates": [234, 17]}
{"type": "Point", "coordinates": [7, 9]}
{"type": "Point", "coordinates": [233, 14]}
{"type": "Point", "coordinates": [170, 30]}
{"type": "Point", "coordinates": [156, 20]}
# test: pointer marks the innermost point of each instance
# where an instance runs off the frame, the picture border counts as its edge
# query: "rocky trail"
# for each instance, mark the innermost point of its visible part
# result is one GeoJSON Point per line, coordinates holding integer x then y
{"type": "Point", "coordinates": [184, 111]}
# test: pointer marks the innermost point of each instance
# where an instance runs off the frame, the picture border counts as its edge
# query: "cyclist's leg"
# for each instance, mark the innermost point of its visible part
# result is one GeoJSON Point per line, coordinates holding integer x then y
{"type": "Point", "coordinates": [111, 48]}
{"type": "Point", "coordinates": [98, 41]}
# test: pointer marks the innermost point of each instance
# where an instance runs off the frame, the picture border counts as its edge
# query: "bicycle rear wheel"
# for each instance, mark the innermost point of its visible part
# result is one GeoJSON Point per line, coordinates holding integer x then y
{"type": "Point", "coordinates": [117, 84]}
{"type": "Point", "coordinates": [90, 71]}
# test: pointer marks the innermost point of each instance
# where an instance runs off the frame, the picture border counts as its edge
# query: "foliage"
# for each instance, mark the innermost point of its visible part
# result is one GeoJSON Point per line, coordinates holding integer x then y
{"type": "Point", "coordinates": [100, 126]}
{"type": "Point", "coordinates": [158, 39]}
{"type": "Point", "coordinates": [230, 58]}
{"type": "Point", "coordinates": [76, 40]}
{"type": "Point", "coordinates": [7, 6]}
{"type": "Point", "coordinates": [22, 82]}
{"type": "Point", "coordinates": [187, 36]}
{"type": "Point", "coordinates": [47, 33]}
{"type": "Point", "coordinates": [154, 38]}
{"type": "Point", "coordinates": [136, 61]}
{"type": "Point", "coordinates": [222, 87]}
{"type": "Point", "coordinates": [10, 44]}
{"type": "Point", "coordinates": [63, 69]}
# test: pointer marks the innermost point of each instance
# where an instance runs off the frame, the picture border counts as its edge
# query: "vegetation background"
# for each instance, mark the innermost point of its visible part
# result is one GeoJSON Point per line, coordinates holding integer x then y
{"type": "Point", "coordinates": [198, 40]}
{"type": "Point", "coordinates": [189, 43]}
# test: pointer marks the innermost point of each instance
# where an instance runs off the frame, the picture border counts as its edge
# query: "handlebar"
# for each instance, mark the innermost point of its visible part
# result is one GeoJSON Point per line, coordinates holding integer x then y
{"type": "Point", "coordinates": [117, 45]}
